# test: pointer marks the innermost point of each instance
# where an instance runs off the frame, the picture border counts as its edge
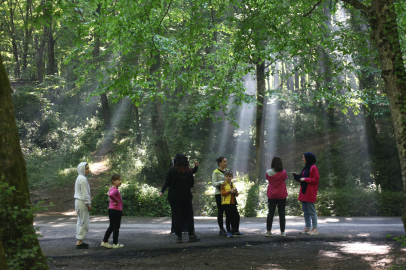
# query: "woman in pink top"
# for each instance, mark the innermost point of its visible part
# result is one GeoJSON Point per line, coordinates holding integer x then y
{"type": "Point", "coordinates": [277, 194]}
{"type": "Point", "coordinates": [115, 213]}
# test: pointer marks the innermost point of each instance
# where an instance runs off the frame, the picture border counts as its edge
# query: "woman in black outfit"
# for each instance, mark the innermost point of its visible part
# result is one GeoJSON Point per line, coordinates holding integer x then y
{"type": "Point", "coordinates": [180, 182]}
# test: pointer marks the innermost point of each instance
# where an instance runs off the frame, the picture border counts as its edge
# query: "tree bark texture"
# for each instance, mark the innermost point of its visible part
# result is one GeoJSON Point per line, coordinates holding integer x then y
{"type": "Point", "coordinates": [259, 127]}
{"type": "Point", "coordinates": [160, 143]}
{"type": "Point", "coordinates": [382, 19]}
{"type": "Point", "coordinates": [13, 172]}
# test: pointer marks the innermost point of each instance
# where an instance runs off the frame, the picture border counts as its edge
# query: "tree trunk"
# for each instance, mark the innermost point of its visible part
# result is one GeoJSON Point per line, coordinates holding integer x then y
{"type": "Point", "coordinates": [40, 53]}
{"type": "Point", "coordinates": [383, 20]}
{"type": "Point", "coordinates": [14, 43]}
{"type": "Point", "coordinates": [296, 75]}
{"type": "Point", "coordinates": [27, 36]}
{"type": "Point", "coordinates": [160, 143]}
{"type": "Point", "coordinates": [51, 51]}
{"type": "Point", "coordinates": [3, 264]}
{"type": "Point", "coordinates": [13, 173]}
{"type": "Point", "coordinates": [135, 111]}
{"type": "Point", "coordinates": [103, 97]}
{"type": "Point", "coordinates": [259, 127]}
{"type": "Point", "coordinates": [106, 110]}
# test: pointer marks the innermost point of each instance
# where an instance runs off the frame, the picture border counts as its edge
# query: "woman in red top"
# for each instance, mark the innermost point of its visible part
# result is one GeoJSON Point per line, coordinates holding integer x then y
{"type": "Point", "coordinates": [309, 185]}
{"type": "Point", "coordinates": [277, 194]}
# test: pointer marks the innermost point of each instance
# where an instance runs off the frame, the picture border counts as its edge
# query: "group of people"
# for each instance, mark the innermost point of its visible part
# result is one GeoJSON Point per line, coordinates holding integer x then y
{"type": "Point", "coordinates": [180, 181]}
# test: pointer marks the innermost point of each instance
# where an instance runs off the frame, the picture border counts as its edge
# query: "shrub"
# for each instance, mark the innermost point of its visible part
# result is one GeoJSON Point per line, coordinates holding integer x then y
{"type": "Point", "coordinates": [138, 200]}
{"type": "Point", "coordinates": [331, 202]}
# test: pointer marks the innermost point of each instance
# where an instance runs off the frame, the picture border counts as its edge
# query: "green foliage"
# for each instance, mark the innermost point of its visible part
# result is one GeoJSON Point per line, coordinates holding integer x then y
{"type": "Point", "coordinates": [138, 200]}
{"type": "Point", "coordinates": [18, 255]}
{"type": "Point", "coordinates": [354, 201]}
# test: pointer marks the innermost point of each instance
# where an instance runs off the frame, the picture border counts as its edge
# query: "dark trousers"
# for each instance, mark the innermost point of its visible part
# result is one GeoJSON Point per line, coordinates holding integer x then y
{"type": "Point", "coordinates": [281, 210]}
{"type": "Point", "coordinates": [183, 223]}
{"type": "Point", "coordinates": [233, 216]}
{"type": "Point", "coordinates": [184, 208]}
{"type": "Point", "coordinates": [220, 211]}
{"type": "Point", "coordinates": [115, 223]}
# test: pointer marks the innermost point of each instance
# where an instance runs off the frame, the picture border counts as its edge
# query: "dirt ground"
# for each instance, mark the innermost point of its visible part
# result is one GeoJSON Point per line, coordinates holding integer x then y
{"type": "Point", "coordinates": [274, 255]}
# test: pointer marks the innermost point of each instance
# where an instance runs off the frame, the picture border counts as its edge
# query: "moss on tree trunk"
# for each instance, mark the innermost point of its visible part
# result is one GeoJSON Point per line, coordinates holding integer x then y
{"type": "Point", "coordinates": [13, 173]}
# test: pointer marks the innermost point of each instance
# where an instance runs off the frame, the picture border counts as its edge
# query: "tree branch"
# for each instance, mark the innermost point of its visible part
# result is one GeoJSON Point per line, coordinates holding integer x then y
{"type": "Point", "coordinates": [314, 7]}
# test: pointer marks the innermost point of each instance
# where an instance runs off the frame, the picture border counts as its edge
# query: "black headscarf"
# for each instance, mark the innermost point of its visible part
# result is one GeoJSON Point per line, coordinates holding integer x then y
{"type": "Point", "coordinates": [310, 161]}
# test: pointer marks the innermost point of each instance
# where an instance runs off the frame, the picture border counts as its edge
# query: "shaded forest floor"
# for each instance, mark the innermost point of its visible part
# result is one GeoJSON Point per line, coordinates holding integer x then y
{"type": "Point", "coordinates": [343, 243]}
{"type": "Point", "coordinates": [274, 255]}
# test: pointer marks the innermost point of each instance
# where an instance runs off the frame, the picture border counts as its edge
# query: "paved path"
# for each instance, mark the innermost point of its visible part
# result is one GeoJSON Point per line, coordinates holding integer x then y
{"type": "Point", "coordinates": [144, 233]}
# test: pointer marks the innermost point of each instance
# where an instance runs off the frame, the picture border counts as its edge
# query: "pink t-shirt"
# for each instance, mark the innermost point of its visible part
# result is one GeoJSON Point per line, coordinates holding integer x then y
{"type": "Point", "coordinates": [115, 196]}
{"type": "Point", "coordinates": [277, 186]}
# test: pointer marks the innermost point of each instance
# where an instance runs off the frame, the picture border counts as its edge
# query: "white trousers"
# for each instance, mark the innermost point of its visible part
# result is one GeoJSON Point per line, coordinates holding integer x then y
{"type": "Point", "coordinates": [82, 227]}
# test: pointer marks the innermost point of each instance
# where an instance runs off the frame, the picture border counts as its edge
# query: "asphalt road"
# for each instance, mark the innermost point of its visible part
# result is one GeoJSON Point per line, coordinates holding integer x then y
{"type": "Point", "coordinates": [144, 233]}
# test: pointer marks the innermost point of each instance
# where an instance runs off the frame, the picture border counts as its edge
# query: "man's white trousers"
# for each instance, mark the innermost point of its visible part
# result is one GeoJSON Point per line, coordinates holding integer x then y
{"type": "Point", "coordinates": [82, 227]}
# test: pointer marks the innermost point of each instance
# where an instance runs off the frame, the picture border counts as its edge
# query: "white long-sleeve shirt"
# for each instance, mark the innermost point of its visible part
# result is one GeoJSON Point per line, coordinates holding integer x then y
{"type": "Point", "coordinates": [82, 188]}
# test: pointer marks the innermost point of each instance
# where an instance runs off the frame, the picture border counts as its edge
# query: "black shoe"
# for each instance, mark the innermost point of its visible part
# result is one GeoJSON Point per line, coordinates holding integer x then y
{"type": "Point", "coordinates": [179, 240]}
{"type": "Point", "coordinates": [82, 246]}
{"type": "Point", "coordinates": [222, 233]}
{"type": "Point", "coordinates": [193, 238]}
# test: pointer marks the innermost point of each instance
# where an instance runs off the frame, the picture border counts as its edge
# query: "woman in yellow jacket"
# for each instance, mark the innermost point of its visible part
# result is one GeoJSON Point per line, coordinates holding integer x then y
{"type": "Point", "coordinates": [229, 203]}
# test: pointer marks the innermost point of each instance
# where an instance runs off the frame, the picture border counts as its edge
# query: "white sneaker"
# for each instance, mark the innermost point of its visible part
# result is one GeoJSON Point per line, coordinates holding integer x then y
{"type": "Point", "coordinates": [106, 245]}
{"type": "Point", "coordinates": [118, 245]}
{"type": "Point", "coordinates": [283, 234]}
{"type": "Point", "coordinates": [268, 234]}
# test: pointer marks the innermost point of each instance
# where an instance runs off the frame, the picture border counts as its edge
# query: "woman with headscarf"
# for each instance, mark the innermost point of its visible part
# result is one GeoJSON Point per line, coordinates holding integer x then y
{"type": "Point", "coordinates": [309, 185]}
{"type": "Point", "coordinates": [180, 182]}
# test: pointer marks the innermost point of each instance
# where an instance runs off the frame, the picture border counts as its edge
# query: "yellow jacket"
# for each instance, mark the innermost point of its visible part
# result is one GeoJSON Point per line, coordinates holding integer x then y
{"type": "Point", "coordinates": [226, 196]}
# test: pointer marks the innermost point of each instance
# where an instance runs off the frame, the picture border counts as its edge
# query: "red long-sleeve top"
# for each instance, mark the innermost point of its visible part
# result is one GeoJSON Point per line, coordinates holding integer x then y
{"type": "Point", "coordinates": [312, 187]}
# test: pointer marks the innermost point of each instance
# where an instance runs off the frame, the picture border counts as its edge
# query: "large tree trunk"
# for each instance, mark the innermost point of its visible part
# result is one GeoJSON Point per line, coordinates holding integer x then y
{"type": "Point", "coordinates": [383, 20]}
{"type": "Point", "coordinates": [259, 123]}
{"type": "Point", "coordinates": [160, 143]}
{"type": "Point", "coordinates": [13, 172]}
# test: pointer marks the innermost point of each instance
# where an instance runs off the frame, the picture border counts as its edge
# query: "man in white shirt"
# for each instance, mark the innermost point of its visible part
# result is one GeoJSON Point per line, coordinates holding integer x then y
{"type": "Point", "coordinates": [82, 204]}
